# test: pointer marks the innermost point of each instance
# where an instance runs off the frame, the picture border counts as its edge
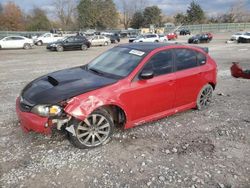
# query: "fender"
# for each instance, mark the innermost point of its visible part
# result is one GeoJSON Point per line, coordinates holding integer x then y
{"type": "Point", "coordinates": [82, 108]}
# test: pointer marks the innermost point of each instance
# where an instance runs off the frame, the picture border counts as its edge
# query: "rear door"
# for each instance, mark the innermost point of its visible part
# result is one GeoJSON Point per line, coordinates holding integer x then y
{"type": "Point", "coordinates": [19, 42]}
{"type": "Point", "coordinates": [188, 76]}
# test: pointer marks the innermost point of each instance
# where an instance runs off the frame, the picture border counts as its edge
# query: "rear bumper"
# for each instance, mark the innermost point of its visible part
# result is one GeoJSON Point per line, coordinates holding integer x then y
{"type": "Point", "coordinates": [32, 122]}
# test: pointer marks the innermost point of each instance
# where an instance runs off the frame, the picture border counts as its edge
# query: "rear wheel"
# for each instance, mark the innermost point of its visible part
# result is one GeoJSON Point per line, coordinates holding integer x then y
{"type": "Point", "coordinates": [59, 48]}
{"type": "Point", "coordinates": [84, 47]}
{"type": "Point", "coordinates": [26, 46]}
{"type": "Point", "coordinates": [205, 97]}
{"type": "Point", "coordinates": [39, 43]}
{"type": "Point", "coordinates": [94, 131]}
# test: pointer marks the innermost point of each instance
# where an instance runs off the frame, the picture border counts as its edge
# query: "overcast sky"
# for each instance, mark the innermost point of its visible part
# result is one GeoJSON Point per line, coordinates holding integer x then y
{"type": "Point", "coordinates": [168, 7]}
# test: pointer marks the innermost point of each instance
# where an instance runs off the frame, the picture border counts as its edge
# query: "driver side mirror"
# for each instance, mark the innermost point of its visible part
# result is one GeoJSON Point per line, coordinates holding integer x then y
{"type": "Point", "coordinates": [146, 74]}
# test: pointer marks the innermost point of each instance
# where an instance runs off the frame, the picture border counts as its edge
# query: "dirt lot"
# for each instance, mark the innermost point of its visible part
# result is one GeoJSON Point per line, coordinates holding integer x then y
{"type": "Point", "coordinates": [209, 148]}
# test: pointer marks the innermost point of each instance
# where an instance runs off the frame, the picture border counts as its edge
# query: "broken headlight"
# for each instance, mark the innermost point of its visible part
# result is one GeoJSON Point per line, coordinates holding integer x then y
{"type": "Point", "coordinates": [47, 111]}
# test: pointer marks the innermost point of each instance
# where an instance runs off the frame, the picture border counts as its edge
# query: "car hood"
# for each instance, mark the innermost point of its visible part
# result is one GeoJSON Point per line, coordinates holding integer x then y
{"type": "Point", "coordinates": [62, 85]}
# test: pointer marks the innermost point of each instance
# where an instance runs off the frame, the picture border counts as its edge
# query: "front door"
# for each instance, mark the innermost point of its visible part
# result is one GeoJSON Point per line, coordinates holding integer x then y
{"type": "Point", "coordinates": [155, 95]}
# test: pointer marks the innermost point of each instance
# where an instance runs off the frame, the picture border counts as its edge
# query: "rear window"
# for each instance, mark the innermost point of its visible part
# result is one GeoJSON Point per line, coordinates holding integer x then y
{"type": "Point", "coordinates": [185, 59]}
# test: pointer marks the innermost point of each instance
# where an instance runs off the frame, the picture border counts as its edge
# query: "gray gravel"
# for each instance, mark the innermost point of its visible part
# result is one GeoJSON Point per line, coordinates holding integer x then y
{"type": "Point", "coordinates": [209, 148]}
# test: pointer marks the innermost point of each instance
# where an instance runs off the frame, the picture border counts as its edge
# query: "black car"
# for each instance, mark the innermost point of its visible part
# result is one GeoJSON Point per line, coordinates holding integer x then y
{"type": "Point", "coordinates": [70, 43]}
{"type": "Point", "coordinates": [200, 38]}
{"type": "Point", "coordinates": [185, 32]}
{"type": "Point", "coordinates": [115, 38]}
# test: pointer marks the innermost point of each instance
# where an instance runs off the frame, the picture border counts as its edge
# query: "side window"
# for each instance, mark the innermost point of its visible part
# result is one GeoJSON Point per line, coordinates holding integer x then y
{"type": "Point", "coordinates": [201, 59]}
{"type": "Point", "coordinates": [161, 63]}
{"type": "Point", "coordinates": [185, 59]}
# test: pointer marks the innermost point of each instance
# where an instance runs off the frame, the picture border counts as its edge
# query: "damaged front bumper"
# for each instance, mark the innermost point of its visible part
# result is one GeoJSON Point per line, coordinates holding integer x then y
{"type": "Point", "coordinates": [32, 122]}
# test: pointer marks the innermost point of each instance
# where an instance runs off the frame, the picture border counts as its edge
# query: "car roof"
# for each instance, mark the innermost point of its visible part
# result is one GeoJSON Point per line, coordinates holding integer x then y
{"type": "Point", "coordinates": [150, 46]}
{"type": "Point", "coordinates": [144, 46]}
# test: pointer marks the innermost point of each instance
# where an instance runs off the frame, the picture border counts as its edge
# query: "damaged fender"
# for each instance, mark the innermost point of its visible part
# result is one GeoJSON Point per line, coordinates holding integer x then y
{"type": "Point", "coordinates": [82, 108]}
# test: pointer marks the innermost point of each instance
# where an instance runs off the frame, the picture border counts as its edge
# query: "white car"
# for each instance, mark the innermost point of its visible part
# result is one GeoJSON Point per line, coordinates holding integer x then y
{"type": "Point", "coordinates": [236, 35]}
{"type": "Point", "coordinates": [163, 38]}
{"type": "Point", "coordinates": [99, 40]}
{"type": "Point", "coordinates": [16, 42]}
{"type": "Point", "coordinates": [47, 38]}
{"type": "Point", "coordinates": [245, 38]}
{"type": "Point", "coordinates": [147, 38]}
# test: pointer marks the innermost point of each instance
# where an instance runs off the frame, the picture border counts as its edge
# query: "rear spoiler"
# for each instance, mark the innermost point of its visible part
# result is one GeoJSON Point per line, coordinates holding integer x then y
{"type": "Point", "coordinates": [204, 49]}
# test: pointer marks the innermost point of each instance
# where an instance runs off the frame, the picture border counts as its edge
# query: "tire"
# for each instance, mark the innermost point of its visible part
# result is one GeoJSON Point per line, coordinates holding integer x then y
{"type": "Point", "coordinates": [84, 47]}
{"type": "Point", "coordinates": [97, 123]}
{"type": "Point", "coordinates": [204, 97]}
{"type": "Point", "coordinates": [156, 41]}
{"type": "Point", "coordinates": [105, 43]}
{"type": "Point", "coordinates": [39, 43]}
{"type": "Point", "coordinates": [59, 48]}
{"type": "Point", "coordinates": [26, 46]}
{"type": "Point", "coordinates": [0, 47]}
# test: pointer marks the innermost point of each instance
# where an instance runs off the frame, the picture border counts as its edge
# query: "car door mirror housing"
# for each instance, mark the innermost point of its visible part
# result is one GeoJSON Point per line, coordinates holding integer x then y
{"type": "Point", "coordinates": [146, 74]}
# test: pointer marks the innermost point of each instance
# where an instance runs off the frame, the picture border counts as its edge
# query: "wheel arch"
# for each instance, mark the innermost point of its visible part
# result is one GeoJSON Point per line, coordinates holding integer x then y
{"type": "Point", "coordinates": [117, 113]}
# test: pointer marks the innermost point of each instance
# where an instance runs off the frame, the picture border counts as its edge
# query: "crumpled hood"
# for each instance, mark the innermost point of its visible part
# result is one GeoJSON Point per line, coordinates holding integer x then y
{"type": "Point", "coordinates": [61, 85]}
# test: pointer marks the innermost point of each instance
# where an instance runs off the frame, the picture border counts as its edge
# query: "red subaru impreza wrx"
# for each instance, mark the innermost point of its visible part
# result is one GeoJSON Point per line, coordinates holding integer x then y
{"type": "Point", "coordinates": [127, 85]}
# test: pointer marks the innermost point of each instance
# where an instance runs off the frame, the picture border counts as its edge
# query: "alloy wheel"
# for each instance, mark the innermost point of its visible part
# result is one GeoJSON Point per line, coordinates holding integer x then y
{"type": "Point", "coordinates": [205, 97]}
{"type": "Point", "coordinates": [93, 131]}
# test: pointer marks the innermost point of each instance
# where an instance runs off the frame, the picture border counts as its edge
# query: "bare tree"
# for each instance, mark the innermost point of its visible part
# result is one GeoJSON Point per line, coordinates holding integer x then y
{"type": "Point", "coordinates": [239, 12]}
{"type": "Point", "coordinates": [65, 11]}
{"type": "Point", "coordinates": [129, 7]}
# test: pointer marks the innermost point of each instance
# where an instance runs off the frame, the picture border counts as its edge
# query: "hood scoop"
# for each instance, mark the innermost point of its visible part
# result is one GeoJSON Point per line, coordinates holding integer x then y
{"type": "Point", "coordinates": [52, 81]}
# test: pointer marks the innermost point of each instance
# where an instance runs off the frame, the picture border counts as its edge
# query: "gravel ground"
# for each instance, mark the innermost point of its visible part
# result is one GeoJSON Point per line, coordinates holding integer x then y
{"type": "Point", "coordinates": [209, 148]}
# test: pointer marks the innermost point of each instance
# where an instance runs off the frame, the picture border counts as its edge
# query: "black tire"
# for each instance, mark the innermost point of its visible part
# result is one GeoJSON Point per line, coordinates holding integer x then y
{"type": "Point", "coordinates": [204, 97]}
{"type": "Point", "coordinates": [39, 43]}
{"type": "Point", "coordinates": [85, 132]}
{"type": "Point", "coordinates": [59, 48]}
{"type": "Point", "coordinates": [84, 47]}
{"type": "Point", "coordinates": [105, 43]}
{"type": "Point", "coordinates": [156, 41]}
{"type": "Point", "coordinates": [26, 46]}
{"type": "Point", "coordinates": [0, 47]}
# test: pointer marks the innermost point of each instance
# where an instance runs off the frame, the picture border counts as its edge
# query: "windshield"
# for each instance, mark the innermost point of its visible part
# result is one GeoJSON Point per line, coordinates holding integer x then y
{"type": "Point", "coordinates": [118, 62]}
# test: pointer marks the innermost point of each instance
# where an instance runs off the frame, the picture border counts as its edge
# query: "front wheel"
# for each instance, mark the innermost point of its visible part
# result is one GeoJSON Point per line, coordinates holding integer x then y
{"type": "Point", "coordinates": [94, 131]}
{"type": "Point", "coordinates": [205, 97]}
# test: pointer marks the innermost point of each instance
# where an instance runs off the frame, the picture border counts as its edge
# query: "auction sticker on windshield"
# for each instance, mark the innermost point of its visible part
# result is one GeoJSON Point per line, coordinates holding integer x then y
{"type": "Point", "coordinates": [137, 52]}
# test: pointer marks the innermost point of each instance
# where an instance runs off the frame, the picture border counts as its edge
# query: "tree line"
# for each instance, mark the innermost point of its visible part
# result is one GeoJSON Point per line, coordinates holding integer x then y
{"type": "Point", "coordinates": [103, 14]}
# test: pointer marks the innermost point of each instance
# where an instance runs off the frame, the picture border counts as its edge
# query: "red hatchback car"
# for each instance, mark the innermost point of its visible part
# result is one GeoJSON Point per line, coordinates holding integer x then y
{"type": "Point", "coordinates": [127, 85]}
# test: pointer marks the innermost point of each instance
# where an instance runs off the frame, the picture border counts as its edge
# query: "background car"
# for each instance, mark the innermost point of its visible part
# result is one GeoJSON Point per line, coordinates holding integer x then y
{"type": "Point", "coordinates": [172, 36]}
{"type": "Point", "coordinates": [147, 38]}
{"type": "Point", "coordinates": [163, 38]}
{"type": "Point", "coordinates": [200, 38]}
{"type": "Point", "coordinates": [185, 32]}
{"type": "Point", "coordinates": [236, 36]}
{"type": "Point", "coordinates": [16, 42]}
{"type": "Point", "coordinates": [70, 43]}
{"type": "Point", "coordinates": [47, 38]}
{"type": "Point", "coordinates": [132, 37]}
{"type": "Point", "coordinates": [99, 40]}
{"type": "Point", "coordinates": [150, 80]}
{"type": "Point", "coordinates": [245, 38]}
{"type": "Point", "coordinates": [115, 38]}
